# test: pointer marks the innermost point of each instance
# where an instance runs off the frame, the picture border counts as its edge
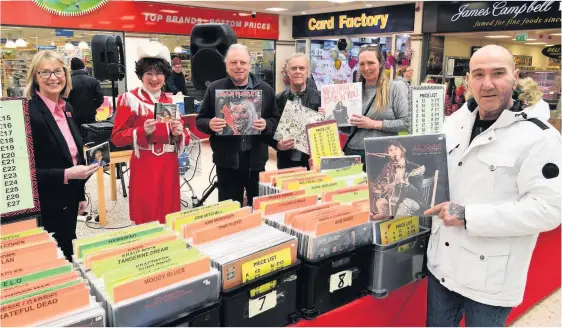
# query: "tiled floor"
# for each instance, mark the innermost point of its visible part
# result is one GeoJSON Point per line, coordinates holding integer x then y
{"type": "Point", "coordinates": [545, 314]}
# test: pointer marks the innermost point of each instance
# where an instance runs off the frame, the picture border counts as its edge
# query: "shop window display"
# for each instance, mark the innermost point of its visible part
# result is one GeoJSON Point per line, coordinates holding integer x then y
{"type": "Point", "coordinates": [332, 66]}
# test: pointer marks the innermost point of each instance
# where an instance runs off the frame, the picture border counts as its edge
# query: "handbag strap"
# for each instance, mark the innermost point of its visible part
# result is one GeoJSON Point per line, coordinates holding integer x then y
{"type": "Point", "coordinates": [364, 114]}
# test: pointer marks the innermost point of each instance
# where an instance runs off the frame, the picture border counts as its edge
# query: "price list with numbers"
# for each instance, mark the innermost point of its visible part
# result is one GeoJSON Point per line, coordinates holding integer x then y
{"type": "Point", "coordinates": [16, 178]}
{"type": "Point", "coordinates": [323, 140]}
{"type": "Point", "coordinates": [427, 108]}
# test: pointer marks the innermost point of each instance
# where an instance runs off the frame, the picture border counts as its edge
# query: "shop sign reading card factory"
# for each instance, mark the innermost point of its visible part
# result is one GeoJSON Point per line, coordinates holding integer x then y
{"type": "Point", "coordinates": [363, 21]}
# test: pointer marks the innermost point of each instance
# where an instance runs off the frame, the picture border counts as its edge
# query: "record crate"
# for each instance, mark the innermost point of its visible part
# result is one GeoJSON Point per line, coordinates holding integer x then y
{"type": "Point", "coordinates": [270, 301]}
{"type": "Point", "coordinates": [332, 282]}
{"type": "Point", "coordinates": [206, 316]}
{"type": "Point", "coordinates": [397, 264]}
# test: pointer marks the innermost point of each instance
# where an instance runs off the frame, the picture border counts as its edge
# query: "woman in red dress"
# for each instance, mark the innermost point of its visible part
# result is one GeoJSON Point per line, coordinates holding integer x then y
{"type": "Point", "coordinates": [154, 185]}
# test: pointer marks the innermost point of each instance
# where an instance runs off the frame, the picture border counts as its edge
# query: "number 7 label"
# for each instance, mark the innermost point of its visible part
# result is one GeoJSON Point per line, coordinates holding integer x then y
{"type": "Point", "coordinates": [262, 304]}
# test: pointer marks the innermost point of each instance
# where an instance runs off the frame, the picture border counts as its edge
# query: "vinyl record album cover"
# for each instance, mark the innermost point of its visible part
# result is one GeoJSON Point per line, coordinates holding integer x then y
{"type": "Point", "coordinates": [338, 162]}
{"type": "Point", "coordinates": [341, 101]}
{"type": "Point", "coordinates": [406, 174]}
{"type": "Point", "coordinates": [98, 154]}
{"type": "Point", "coordinates": [293, 123]}
{"type": "Point", "coordinates": [239, 108]}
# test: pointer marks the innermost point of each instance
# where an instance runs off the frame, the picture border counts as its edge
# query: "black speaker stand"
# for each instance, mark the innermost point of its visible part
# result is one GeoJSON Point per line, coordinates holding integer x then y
{"type": "Point", "coordinates": [118, 166]}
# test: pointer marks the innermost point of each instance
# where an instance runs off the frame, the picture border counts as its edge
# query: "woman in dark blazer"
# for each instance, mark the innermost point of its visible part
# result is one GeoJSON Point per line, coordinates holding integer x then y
{"type": "Point", "coordinates": [59, 158]}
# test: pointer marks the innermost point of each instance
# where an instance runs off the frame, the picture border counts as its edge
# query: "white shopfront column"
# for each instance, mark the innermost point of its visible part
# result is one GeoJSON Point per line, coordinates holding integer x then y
{"type": "Point", "coordinates": [285, 46]}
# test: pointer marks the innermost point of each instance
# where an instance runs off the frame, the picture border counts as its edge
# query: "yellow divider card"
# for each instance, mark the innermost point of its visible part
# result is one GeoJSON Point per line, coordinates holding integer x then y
{"type": "Point", "coordinates": [269, 263]}
{"type": "Point", "coordinates": [117, 262]}
{"type": "Point", "coordinates": [23, 234]}
{"type": "Point", "coordinates": [151, 234]}
{"type": "Point", "coordinates": [176, 215]}
{"type": "Point", "coordinates": [227, 208]}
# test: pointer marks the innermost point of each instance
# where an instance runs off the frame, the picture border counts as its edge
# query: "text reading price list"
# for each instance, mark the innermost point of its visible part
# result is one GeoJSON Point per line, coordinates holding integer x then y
{"type": "Point", "coordinates": [16, 178]}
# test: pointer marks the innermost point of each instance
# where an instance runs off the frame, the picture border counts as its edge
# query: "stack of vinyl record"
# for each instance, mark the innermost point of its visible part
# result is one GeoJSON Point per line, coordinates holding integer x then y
{"type": "Point", "coordinates": [234, 238]}
{"type": "Point", "coordinates": [322, 228]}
{"type": "Point", "coordinates": [39, 286]}
{"type": "Point", "coordinates": [337, 172]}
{"type": "Point", "coordinates": [137, 271]}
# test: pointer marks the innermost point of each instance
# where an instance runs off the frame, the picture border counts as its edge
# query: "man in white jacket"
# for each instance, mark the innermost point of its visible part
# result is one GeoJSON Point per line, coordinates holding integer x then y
{"type": "Point", "coordinates": [504, 163]}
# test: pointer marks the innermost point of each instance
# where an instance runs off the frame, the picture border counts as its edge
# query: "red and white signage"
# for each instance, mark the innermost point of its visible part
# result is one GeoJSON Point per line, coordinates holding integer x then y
{"type": "Point", "coordinates": [145, 17]}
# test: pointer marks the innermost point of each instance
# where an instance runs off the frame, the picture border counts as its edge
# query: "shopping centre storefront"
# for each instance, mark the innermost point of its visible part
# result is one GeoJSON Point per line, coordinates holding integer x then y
{"type": "Point", "coordinates": [171, 25]}
{"type": "Point", "coordinates": [527, 28]}
{"type": "Point", "coordinates": [318, 35]}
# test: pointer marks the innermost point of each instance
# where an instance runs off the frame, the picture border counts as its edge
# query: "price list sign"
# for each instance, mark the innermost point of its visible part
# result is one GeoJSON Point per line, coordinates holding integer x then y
{"type": "Point", "coordinates": [323, 140]}
{"type": "Point", "coordinates": [18, 183]}
{"type": "Point", "coordinates": [427, 109]}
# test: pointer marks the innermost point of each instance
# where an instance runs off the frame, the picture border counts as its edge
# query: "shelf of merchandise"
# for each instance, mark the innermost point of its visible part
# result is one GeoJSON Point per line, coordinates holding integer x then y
{"type": "Point", "coordinates": [15, 62]}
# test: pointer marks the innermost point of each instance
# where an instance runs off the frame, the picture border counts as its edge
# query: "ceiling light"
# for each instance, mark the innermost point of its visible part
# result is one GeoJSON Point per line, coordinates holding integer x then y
{"type": "Point", "coordinates": [340, 1]}
{"type": "Point", "coordinates": [497, 36]}
{"type": "Point", "coordinates": [548, 45]}
{"type": "Point", "coordinates": [243, 14]}
{"type": "Point", "coordinates": [20, 43]}
{"type": "Point", "coordinates": [178, 50]}
{"type": "Point", "coordinates": [68, 46]}
{"type": "Point", "coordinates": [557, 34]}
{"type": "Point", "coordinates": [535, 43]}
{"type": "Point", "coordinates": [83, 45]}
{"type": "Point", "coordinates": [368, 5]}
{"type": "Point", "coordinates": [275, 9]}
{"type": "Point", "coordinates": [10, 44]}
{"type": "Point", "coordinates": [53, 44]}
{"type": "Point", "coordinates": [303, 12]}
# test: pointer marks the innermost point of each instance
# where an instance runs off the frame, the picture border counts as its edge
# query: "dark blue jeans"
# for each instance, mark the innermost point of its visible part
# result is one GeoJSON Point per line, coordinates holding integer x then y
{"type": "Point", "coordinates": [446, 308]}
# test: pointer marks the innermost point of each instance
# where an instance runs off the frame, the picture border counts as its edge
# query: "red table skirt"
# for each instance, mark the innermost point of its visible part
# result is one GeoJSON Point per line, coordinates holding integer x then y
{"type": "Point", "coordinates": [406, 306]}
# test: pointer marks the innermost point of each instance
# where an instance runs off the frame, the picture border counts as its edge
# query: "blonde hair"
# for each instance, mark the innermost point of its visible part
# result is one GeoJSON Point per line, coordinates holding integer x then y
{"type": "Point", "coordinates": [31, 85]}
{"type": "Point", "coordinates": [529, 92]}
{"type": "Point", "coordinates": [383, 84]}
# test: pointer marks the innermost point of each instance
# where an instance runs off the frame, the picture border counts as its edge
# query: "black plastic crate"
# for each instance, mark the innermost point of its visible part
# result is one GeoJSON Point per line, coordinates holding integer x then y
{"type": "Point", "coordinates": [270, 301]}
{"type": "Point", "coordinates": [398, 264]}
{"type": "Point", "coordinates": [332, 282]}
{"type": "Point", "coordinates": [100, 132]}
{"type": "Point", "coordinates": [207, 316]}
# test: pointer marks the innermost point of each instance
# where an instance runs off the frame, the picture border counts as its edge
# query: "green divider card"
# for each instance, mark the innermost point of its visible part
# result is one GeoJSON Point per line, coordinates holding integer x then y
{"type": "Point", "coordinates": [134, 236]}
{"type": "Point", "coordinates": [360, 179]}
{"type": "Point", "coordinates": [22, 234]}
{"type": "Point", "coordinates": [42, 291]}
{"type": "Point", "coordinates": [345, 171]}
{"type": "Point", "coordinates": [174, 216]}
{"type": "Point", "coordinates": [124, 242]}
{"type": "Point", "coordinates": [205, 214]}
{"type": "Point", "coordinates": [116, 262]}
{"type": "Point", "coordinates": [319, 188]}
{"type": "Point", "coordinates": [17, 281]}
{"type": "Point", "coordinates": [145, 264]}
{"type": "Point", "coordinates": [88, 240]}
{"type": "Point", "coordinates": [349, 197]}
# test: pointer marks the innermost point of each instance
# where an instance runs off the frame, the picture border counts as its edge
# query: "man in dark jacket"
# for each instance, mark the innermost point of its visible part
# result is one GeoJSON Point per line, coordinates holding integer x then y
{"type": "Point", "coordinates": [239, 159]}
{"type": "Point", "coordinates": [176, 82]}
{"type": "Point", "coordinates": [301, 92]}
{"type": "Point", "coordinates": [86, 96]}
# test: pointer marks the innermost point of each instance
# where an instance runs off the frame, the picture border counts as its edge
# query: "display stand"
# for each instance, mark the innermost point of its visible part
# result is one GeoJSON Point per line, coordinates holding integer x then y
{"type": "Point", "coordinates": [406, 306]}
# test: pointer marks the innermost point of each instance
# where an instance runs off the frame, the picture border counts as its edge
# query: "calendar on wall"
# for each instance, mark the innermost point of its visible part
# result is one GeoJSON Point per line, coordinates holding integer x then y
{"type": "Point", "coordinates": [427, 109]}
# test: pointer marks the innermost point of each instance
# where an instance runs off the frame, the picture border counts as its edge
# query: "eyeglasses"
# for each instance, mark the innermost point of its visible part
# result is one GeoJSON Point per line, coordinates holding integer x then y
{"type": "Point", "coordinates": [59, 72]}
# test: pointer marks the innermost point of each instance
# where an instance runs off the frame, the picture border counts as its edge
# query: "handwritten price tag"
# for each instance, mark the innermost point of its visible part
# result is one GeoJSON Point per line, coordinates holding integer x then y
{"type": "Point", "coordinates": [340, 280]}
{"type": "Point", "coordinates": [261, 304]}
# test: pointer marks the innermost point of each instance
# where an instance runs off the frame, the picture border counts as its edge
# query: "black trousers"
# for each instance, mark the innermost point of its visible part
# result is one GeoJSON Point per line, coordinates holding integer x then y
{"type": "Point", "coordinates": [233, 182]}
{"type": "Point", "coordinates": [62, 222]}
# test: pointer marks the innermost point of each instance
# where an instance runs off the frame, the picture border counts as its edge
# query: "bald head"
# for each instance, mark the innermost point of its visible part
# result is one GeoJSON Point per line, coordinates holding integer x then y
{"type": "Point", "coordinates": [492, 79]}
{"type": "Point", "coordinates": [493, 51]}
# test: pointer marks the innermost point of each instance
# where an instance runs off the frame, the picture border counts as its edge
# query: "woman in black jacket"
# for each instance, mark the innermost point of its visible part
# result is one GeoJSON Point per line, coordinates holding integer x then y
{"type": "Point", "coordinates": [57, 147]}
